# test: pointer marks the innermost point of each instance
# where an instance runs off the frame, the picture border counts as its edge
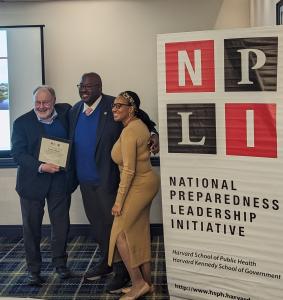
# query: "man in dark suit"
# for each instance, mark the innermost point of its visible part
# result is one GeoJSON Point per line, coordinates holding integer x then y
{"type": "Point", "coordinates": [94, 132]}
{"type": "Point", "coordinates": [37, 182]}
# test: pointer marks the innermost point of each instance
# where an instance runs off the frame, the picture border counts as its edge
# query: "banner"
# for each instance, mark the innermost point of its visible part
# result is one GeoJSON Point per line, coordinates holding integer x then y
{"type": "Point", "coordinates": [220, 102]}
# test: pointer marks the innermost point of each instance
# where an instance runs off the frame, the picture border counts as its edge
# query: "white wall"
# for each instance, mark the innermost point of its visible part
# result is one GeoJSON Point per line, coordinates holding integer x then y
{"type": "Point", "coordinates": [117, 39]}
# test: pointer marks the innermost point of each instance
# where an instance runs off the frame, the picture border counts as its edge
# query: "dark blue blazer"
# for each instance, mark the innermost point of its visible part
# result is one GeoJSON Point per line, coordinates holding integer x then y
{"type": "Point", "coordinates": [108, 132]}
{"type": "Point", "coordinates": [26, 138]}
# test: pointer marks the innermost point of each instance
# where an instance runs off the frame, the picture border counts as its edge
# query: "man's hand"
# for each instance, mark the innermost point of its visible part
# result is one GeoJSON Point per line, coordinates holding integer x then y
{"type": "Point", "coordinates": [49, 168]}
{"type": "Point", "coordinates": [116, 210]}
{"type": "Point", "coordinates": [154, 143]}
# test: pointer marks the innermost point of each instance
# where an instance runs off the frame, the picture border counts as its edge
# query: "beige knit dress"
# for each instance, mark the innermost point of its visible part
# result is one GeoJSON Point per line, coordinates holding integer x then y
{"type": "Point", "coordinates": [137, 188]}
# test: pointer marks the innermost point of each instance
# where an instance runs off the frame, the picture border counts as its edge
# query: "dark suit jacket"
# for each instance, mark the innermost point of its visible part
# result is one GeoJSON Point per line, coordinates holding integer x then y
{"type": "Point", "coordinates": [26, 137]}
{"type": "Point", "coordinates": [108, 132]}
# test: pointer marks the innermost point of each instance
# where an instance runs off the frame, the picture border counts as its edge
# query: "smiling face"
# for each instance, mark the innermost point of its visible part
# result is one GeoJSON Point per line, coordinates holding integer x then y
{"type": "Point", "coordinates": [90, 88]}
{"type": "Point", "coordinates": [122, 110]}
{"type": "Point", "coordinates": [43, 103]}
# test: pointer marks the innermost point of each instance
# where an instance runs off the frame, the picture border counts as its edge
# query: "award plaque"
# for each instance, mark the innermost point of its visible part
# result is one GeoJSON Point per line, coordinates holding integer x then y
{"type": "Point", "coordinates": [55, 151]}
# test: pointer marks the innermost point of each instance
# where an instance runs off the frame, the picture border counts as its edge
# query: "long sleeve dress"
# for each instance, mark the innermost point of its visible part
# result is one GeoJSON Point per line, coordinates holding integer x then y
{"type": "Point", "coordinates": [138, 186]}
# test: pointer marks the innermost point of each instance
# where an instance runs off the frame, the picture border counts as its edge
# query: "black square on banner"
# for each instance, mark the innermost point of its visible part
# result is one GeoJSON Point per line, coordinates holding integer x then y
{"type": "Point", "coordinates": [251, 64]}
{"type": "Point", "coordinates": [191, 128]}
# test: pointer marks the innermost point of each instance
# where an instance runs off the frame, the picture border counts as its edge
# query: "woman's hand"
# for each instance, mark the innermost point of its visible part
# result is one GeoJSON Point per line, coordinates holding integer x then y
{"type": "Point", "coordinates": [116, 210]}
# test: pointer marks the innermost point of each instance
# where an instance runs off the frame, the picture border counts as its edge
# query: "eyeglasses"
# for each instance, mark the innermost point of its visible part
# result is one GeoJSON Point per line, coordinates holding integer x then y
{"type": "Point", "coordinates": [119, 105]}
{"type": "Point", "coordinates": [86, 86]}
{"type": "Point", "coordinates": [43, 103]}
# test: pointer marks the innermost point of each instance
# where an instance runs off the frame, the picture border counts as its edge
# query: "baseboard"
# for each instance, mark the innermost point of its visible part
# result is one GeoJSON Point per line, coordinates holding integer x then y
{"type": "Point", "coordinates": [75, 230]}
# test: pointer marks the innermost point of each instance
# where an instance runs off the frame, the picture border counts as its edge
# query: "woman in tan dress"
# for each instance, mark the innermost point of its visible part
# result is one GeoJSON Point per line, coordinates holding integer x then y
{"type": "Point", "coordinates": [130, 233]}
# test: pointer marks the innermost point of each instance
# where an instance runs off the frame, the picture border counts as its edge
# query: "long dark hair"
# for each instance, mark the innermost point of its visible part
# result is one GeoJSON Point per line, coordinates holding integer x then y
{"type": "Point", "coordinates": [135, 101]}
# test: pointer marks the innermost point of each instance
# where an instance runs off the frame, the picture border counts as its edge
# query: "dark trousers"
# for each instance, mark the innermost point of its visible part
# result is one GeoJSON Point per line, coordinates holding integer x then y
{"type": "Point", "coordinates": [32, 215]}
{"type": "Point", "coordinates": [98, 203]}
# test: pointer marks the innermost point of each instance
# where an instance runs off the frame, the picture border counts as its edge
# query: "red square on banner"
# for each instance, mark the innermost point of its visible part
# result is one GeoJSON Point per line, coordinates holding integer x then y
{"type": "Point", "coordinates": [251, 129]}
{"type": "Point", "coordinates": [190, 67]}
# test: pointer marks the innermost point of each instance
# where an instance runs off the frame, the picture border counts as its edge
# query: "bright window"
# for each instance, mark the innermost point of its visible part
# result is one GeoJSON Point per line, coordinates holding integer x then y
{"type": "Point", "coordinates": [4, 94]}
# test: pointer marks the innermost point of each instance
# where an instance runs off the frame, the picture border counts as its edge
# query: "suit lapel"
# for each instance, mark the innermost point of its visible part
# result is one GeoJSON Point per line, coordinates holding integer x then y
{"type": "Point", "coordinates": [36, 133]}
{"type": "Point", "coordinates": [102, 121]}
{"type": "Point", "coordinates": [38, 126]}
{"type": "Point", "coordinates": [61, 116]}
{"type": "Point", "coordinates": [74, 120]}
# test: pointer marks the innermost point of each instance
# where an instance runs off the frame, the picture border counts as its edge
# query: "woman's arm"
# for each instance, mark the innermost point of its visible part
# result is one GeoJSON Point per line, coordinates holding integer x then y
{"type": "Point", "coordinates": [129, 156]}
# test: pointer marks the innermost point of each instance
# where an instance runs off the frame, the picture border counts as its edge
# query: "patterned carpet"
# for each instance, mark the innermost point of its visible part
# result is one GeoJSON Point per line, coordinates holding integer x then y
{"type": "Point", "coordinates": [83, 253]}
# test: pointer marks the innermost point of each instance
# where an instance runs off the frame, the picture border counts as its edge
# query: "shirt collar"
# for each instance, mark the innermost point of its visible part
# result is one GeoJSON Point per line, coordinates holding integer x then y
{"type": "Point", "coordinates": [93, 106]}
{"type": "Point", "coordinates": [48, 121]}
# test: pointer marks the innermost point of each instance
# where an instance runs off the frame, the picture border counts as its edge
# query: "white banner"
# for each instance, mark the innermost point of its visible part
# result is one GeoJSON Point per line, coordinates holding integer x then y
{"type": "Point", "coordinates": [220, 101]}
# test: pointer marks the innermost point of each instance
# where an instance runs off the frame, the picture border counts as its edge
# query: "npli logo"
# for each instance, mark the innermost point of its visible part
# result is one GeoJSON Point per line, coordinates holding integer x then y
{"type": "Point", "coordinates": [250, 64]}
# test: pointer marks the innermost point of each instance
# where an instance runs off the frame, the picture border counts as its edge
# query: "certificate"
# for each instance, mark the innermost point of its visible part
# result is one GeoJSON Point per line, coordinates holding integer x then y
{"type": "Point", "coordinates": [55, 151]}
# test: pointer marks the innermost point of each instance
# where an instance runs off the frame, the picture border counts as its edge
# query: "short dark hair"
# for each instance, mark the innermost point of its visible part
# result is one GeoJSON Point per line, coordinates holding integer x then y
{"type": "Point", "coordinates": [93, 74]}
